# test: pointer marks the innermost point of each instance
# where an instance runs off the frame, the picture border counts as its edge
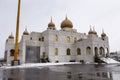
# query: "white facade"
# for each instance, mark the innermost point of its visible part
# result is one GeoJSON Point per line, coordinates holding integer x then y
{"type": "Point", "coordinates": [59, 45]}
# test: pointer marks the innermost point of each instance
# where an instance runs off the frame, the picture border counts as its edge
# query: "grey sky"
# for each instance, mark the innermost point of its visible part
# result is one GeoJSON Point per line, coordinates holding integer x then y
{"type": "Point", "coordinates": [35, 14]}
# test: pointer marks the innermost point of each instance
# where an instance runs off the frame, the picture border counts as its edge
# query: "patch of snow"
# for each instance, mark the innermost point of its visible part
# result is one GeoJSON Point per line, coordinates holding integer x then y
{"type": "Point", "coordinates": [29, 65]}
{"type": "Point", "coordinates": [109, 60]}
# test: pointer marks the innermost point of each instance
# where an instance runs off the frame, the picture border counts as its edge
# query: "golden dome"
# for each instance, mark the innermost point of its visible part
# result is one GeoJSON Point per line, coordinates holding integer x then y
{"type": "Point", "coordinates": [94, 32]}
{"type": "Point", "coordinates": [103, 34]}
{"type": "Point", "coordinates": [51, 24]}
{"type": "Point", "coordinates": [25, 32]}
{"type": "Point", "coordinates": [66, 23]}
{"type": "Point", "coordinates": [90, 31]}
{"type": "Point", "coordinates": [11, 36]}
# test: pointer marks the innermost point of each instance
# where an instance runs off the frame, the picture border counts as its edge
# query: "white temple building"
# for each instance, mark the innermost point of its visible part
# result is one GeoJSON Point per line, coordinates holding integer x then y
{"type": "Point", "coordinates": [64, 45]}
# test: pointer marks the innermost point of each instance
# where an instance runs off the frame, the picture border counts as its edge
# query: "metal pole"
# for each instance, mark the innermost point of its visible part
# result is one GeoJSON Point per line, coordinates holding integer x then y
{"type": "Point", "coordinates": [17, 32]}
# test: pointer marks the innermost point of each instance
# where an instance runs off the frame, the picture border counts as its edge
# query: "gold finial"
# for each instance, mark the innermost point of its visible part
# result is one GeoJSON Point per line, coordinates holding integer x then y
{"type": "Point", "coordinates": [103, 34]}
{"type": "Point", "coordinates": [66, 17]}
{"type": "Point", "coordinates": [102, 30]}
{"type": "Point", "coordinates": [51, 24]}
{"type": "Point", "coordinates": [25, 32]}
{"type": "Point", "coordinates": [51, 18]}
{"type": "Point", "coordinates": [11, 36]}
{"type": "Point", "coordinates": [90, 28]}
{"type": "Point", "coordinates": [94, 30]}
{"type": "Point", "coordinates": [90, 31]}
{"type": "Point", "coordinates": [66, 23]}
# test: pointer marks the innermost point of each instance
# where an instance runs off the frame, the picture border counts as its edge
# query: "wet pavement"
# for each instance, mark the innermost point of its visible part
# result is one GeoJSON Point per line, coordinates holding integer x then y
{"type": "Point", "coordinates": [64, 72]}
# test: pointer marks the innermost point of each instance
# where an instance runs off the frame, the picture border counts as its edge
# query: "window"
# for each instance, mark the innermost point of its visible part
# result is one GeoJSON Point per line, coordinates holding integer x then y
{"type": "Point", "coordinates": [68, 39]}
{"type": "Point", "coordinates": [39, 39]}
{"type": "Point", "coordinates": [75, 39]}
{"type": "Point", "coordinates": [101, 50]}
{"type": "Point", "coordinates": [56, 38]}
{"type": "Point", "coordinates": [98, 74]}
{"type": "Point", "coordinates": [96, 51]}
{"type": "Point", "coordinates": [78, 51]}
{"type": "Point", "coordinates": [57, 61]}
{"type": "Point", "coordinates": [43, 55]}
{"type": "Point", "coordinates": [68, 52]}
{"type": "Point", "coordinates": [42, 39]}
{"type": "Point", "coordinates": [56, 51]}
{"type": "Point", "coordinates": [53, 28]}
{"type": "Point", "coordinates": [88, 50]}
{"type": "Point", "coordinates": [104, 74]}
{"type": "Point", "coordinates": [12, 52]}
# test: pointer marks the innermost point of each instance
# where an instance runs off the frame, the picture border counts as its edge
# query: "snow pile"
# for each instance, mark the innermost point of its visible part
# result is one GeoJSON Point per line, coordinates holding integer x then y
{"type": "Point", "coordinates": [29, 65]}
{"type": "Point", "coordinates": [109, 60]}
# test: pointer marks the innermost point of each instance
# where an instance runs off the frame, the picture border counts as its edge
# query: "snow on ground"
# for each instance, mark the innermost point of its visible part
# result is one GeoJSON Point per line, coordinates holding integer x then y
{"type": "Point", "coordinates": [40, 65]}
{"type": "Point", "coordinates": [30, 65]}
{"type": "Point", "coordinates": [109, 60]}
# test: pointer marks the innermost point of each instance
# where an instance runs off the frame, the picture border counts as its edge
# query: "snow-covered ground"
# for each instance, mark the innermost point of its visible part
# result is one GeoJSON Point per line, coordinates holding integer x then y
{"type": "Point", "coordinates": [29, 65]}
{"type": "Point", "coordinates": [109, 60]}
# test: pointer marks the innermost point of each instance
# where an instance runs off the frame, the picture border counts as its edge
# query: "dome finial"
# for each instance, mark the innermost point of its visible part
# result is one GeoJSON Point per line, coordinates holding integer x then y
{"type": "Point", "coordinates": [25, 32]}
{"type": "Point", "coordinates": [103, 34]}
{"type": "Point", "coordinates": [66, 17]}
{"type": "Point", "coordinates": [11, 36]}
{"type": "Point", "coordinates": [94, 30]}
{"type": "Point", "coordinates": [51, 19]}
{"type": "Point", "coordinates": [90, 28]}
{"type": "Point", "coordinates": [51, 24]}
{"type": "Point", "coordinates": [102, 30]}
{"type": "Point", "coordinates": [90, 31]}
{"type": "Point", "coordinates": [66, 23]}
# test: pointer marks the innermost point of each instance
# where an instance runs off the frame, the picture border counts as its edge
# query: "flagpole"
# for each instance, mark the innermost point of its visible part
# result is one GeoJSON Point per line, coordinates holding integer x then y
{"type": "Point", "coordinates": [17, 36]}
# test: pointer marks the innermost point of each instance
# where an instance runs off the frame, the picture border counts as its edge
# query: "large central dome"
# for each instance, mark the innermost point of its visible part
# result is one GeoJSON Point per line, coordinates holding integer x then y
{"type": "Point", "coordinates": [66, 23]}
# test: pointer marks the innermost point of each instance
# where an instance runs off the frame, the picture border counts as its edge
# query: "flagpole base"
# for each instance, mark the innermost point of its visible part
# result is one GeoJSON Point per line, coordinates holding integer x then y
{"type": "Point", "coordinates": [15, 62]}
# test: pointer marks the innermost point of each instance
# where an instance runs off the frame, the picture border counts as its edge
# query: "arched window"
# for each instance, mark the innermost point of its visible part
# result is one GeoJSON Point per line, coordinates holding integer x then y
{"type": "Point", "coordinates": [56, 38]}
{"type": "Point", "coordinates": [88, 50]}
{"type": "Point", "coordinates": [75, 39]}
{"type": "Point", "coordinates": [101, 51]}
{"type": "Point", "coordinates": [43, 55]}
{"type": "Point", "coordinates": [107, 52]}
{"type": "Point", "coordinates": [68, 51]}
{"type": "Point", "coordinates": [56, 51]}
{"type": "Point", "coordinates": [68, 39]}
{"type": "Point", "coordinates": [30, 38]}
{"type": "Point", "coordinates": [12, 52]}
{"type": "Point", "coordinates": [42, 39]}
{"type": "Point", "coordinates": [96, 51]}
{"type": "Point", "coordinates": [39, 39]}
{"type": "Point", "coordinates": [78, 51]}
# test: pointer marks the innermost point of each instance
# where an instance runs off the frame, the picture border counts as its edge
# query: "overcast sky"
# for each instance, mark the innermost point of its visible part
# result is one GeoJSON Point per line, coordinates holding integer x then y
{"type": "Point", "coordinates": [36, 14]}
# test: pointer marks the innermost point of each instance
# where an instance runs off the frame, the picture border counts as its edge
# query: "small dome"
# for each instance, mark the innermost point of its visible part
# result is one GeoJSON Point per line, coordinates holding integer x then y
{"type": "Point", "coordinates": [103, 34]}
{"type": "Point", "coordinates": [90, 31]}
{"type": "Point", "coordinates": [94, 32]}
{"type": "Point", "coordinates": [51, 24]}
{"type": "Point", "coordinates": [11, 36]}
{"type": "Point", "coordinates": [25, 32]}
{"type": "Point", "coordinates": [66, 23]}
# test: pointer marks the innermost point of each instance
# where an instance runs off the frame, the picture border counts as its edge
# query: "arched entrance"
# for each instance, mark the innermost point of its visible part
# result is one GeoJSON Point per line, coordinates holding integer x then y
{"type": "Point", "coordinates": [102, 51]}
{"type": "Point", "coordinates": [96, 51]}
